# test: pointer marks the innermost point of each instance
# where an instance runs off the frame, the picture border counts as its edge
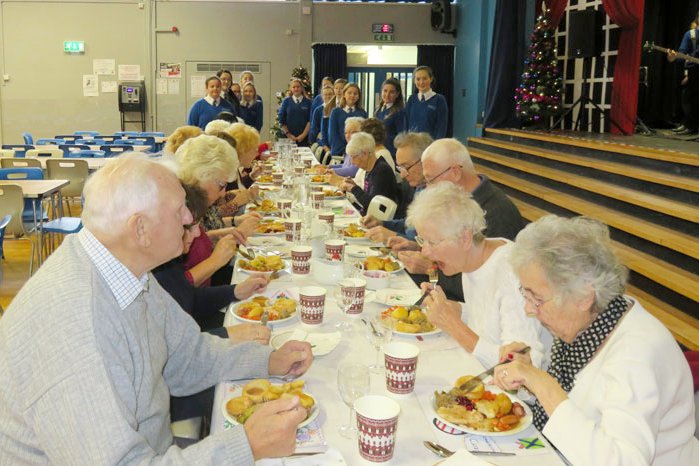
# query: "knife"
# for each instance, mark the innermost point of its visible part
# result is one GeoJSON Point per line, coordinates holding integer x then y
{"type": "Point", "coordinates": [473, 383]}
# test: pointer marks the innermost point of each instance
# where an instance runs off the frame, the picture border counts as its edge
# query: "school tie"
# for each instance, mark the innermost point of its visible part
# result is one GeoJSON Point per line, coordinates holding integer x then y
{"type": "Point", "coordinates": [422, 98]}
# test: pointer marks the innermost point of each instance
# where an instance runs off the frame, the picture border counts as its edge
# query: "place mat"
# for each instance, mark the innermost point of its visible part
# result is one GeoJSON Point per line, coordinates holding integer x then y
{"type": "Point", "coordinates": [309, 439]}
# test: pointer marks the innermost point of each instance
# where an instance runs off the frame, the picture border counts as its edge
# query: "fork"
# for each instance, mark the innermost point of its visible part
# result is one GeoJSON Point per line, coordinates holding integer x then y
{"type": "Point", "coordinates": [433, 277]}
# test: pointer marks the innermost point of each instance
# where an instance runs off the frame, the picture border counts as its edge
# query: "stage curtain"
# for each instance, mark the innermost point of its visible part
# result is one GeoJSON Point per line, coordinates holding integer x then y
{"type": "Point", "coordinates": [628, 14]}
{"type": "Point", "coordinates": [328, 60]}
{"type": "Point", "coordinates": [441, 59]}
{"type": "Point", "coordinates": [558, 9]}
{"type": "Point", "coordinates": [506, 64]}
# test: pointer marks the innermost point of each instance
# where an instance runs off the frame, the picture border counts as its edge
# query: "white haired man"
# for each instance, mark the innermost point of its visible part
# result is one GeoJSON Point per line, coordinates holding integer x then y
{"type": "Point", "coordinates": [92, 347]}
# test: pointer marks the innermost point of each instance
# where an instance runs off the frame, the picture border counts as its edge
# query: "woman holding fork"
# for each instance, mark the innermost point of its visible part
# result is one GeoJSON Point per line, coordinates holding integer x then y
{"type": "Point", "coordinates": [450, 227]}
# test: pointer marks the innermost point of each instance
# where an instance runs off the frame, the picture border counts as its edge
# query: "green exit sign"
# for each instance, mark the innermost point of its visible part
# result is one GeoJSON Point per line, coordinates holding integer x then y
{"type": "Point", "coordinates": [74, 46]}
{"type": "Point", "coordinates": [383, 37]}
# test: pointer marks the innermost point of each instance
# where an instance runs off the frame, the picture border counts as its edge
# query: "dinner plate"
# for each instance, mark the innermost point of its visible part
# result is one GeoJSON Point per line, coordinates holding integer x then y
{"type": "Point", "coordinates": [322, 343]}
{"type": "Point", "coordinates": [399, 269]}
{"type": "Point", "coordinates": [315, 410]}
{"type": "Point", "coordinates": [361, 251]}
{"type": "Point", "coordinates": [274, 233]}
{"type": "Point", "coordinates": [265, 241]}
{"type": "Point", "coordinates": [268, 272]}
{"type": "Point", "coordinates": [333, 198]}
{"type": "Point", "coordinates": [395, 297]}
{"type": "Point", "coordinates": [417, 334]}
{"type": "Point", "coordinates": [281, 294]}
{"type": "Point", "coordinates": [525, 422]}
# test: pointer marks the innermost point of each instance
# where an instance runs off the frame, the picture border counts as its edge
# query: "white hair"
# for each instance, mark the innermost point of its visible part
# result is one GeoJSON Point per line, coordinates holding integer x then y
{"type": "Point", "coordinates": [203, 158]}
{"type": "Point", "coordinates": [359, 143]}
{"type": "Point", "coordinates": [574, 253]}
{"type": "Point", "coordinates": [215, 126]}
{"type": "Point", "coordinates": [123, 187]}
{"type": "Point", "coordinates": [354, 121]}
{"type": "Point", "coordinates": [416, 142]}
{"type": "Point", "coordinates": [448, 152]}
{"type": "Point", "coordinates": [449, 207]}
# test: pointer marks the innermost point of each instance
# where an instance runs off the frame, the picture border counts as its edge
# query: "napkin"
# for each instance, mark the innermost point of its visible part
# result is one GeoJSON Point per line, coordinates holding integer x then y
{"type": "Point", "coordinates": [464, 458]}
{"type": "Point", "coordinates": [324, 342]}
{"type": "Point", "coordinates": [332, 457]}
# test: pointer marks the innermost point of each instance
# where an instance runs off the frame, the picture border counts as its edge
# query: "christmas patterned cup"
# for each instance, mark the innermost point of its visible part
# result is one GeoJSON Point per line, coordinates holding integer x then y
{"type": "Point", "coordinates": [327, 217]}
{"type": "Point", "coordinates": [355, 287]}
{"type": "Point", "coordinates": [316, 189]}
{"type": "Point", "coordinates": [301, 259]}
{"type": "Point", "coordinates": [317, 198]}
{"type": "Point", "coordinates": [401, 367]}
{"type": "Point", "coordinates": [278, 178]}
{"type": "Point", "coordinates": [334, 249]}
{"type": "Point", "coordinates": [292, 229]}
{"type": "Point", "coordinates": [268, 168]}
{"type": "Point", "coordinates": [284, 206]}
{"type": "Point", "coordinates": [377, 421]}
{"type": "Point", "coordinates": [298, 169]}
{"type": "Point", "coordinates": [307, 161]}
{"type": "Point", "coordinates": [312, 303]}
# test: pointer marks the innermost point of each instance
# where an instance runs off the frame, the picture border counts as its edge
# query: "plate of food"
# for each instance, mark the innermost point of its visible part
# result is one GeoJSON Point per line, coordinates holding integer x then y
{"type": "Point", "coordinates": [263, 264]}
{"type": "Point", "coordinates": [386, 263]}
{"type": "Point", "coordinates": [315, 170]}
{"type": "Point", "coordinates": [319, 179]}
{"type": "Point", "coordinates": [267, 207]}
{"type": "Point", "coordinates": [356, 250]}
{"type": "Point", "coordinates": [269, 227]}
{"type": "Point", "coordinates": [333, 194]}
{"type": "Point", "coordinates": [486, 411]}
{"type": "Point", "coordinates": [244, 400]}
{"type": "Point", "coordinates": [353, 232]}
{"type": "Point", "coordinates": [265, 179]}
{"type": "Point", "coordinates": [408, 322]}
{"type": "Point", "coordinates": [280, 308]}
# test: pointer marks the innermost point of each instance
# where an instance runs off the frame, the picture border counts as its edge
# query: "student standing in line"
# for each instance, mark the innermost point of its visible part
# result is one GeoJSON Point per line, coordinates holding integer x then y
{"type": "Point", "coordinates": [350, 106]}
{"type": "Point", "coordinates": [205, 110]}
{"type": "Point", "coordinates": [226, 92]}
{"type": "Point", "coordinates": [250, 108]}
{"type": "Point", "coordinates": [426, 110]}
{"type": "Point", "coordinates": [339, 86]}
{"type": "Point", "coordinates": [248, 77]}
{"type": "Point", "coordinates": [391, 112]}
{"type": "Point", "coordinates": [318, 99]}
{"type": "Point", "coordinates": [319, 118]}
{"type": "Point", "coordinates": [295, 114]}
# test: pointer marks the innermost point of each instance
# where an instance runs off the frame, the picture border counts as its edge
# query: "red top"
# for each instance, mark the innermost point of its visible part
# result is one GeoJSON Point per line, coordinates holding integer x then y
{"type": "Point", "coordinates": [201, 249]}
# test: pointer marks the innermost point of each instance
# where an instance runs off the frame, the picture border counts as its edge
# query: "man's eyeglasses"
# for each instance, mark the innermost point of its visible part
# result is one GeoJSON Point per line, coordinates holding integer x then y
{"type": "Point", "coordinates": [531, 299]}
{"type": "Point", "coordinates": [402, 168]}
{"type": "Point", "coordinates": [434, 178]}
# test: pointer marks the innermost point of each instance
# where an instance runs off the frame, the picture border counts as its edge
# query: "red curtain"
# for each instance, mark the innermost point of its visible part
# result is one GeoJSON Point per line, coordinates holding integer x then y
{"type": "Point", "coordinates": [628, 15]}
{"type": "Point", "coordinates": [557, 7]}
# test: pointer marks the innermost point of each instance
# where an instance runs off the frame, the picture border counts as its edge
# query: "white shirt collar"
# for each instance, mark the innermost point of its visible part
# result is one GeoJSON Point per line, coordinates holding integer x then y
{"type": "Point", "coordinates": [349, 109]}
{"type": "Point", "coordinates": [387, 106]}
{"type": "Point", "coordinates": [428, 95]}
{"type": "Point", "coordinates": [297, 99]}
{"type": "Point", "coordinates": [211, 101]}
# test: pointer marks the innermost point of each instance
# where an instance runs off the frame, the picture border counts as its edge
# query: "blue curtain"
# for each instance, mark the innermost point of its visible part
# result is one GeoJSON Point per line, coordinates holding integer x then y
{"type": "Point", "coordinates": [441, 59]}
{"type": "Point", "coordinates": [506, 64]}
{"type": "Point", "coordinates": [328, 60]}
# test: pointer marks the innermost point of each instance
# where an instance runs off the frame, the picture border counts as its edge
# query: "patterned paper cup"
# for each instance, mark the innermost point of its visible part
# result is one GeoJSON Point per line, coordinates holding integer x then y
{"type": "Point", "coordinates": [401, 367]}
{"type": "Point", "coordinates": [292, 229]}
{"type": "Point", "coordinates": [327, 217]}
{"type": "Point", "coordinates": [357, 288]}
{"type": "Point", "coordinates": [334, 249]}
{"type": "Point", "coordinates": [316, 189]}
{"type": "Point", "coordinates": [301, 259]}
{"type": "Point", "coordinates": [377, 421]}
{"type": "Point", "coordinates": [307, 162]}
{"type": "Point", "coordinates": [317, 198]}
{"type": "Point", "coordinates": [278, 178]}
{"type": "Point", "coordinates": [312, 303]}
{"type": "Point", "coordinates": [284, 205]}
{"type": "Point", "coordinates": [298, 169]}
{"type": "Point", "coordinates": [268, 168]}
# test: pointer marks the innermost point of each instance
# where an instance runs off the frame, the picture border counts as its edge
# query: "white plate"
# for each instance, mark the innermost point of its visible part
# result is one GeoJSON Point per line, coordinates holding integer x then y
{"type": "Point", "coordinates": [525, 422]}
{"type": "Point", "coordinates": [394, 297]}
{"type": "Point", "coordinates": [265, 241]}
{"type": "Point", "coordinates": [278, 294]}
{"type": "Point", "coordinates": [399, 269]}
{"type": "Point", "coordinates": [270, 272]}
{"type": "Point", "coordinates": [360, 251]}
{"type": "Point", "coordinates": [315, 410]}
{"type": "Point", "coordinates": [320, 349]}
{"type": "Point", "coordinates": [418, 334]}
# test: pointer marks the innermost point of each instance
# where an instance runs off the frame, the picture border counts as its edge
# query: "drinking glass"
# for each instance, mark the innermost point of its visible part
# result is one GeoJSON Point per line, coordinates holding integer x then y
{"type": "Point", "coordinates": [344, 301]}
{"type": "Point", "coordinates": [353, 383]}
{"type": "Point", "coordinates": [378, 335]}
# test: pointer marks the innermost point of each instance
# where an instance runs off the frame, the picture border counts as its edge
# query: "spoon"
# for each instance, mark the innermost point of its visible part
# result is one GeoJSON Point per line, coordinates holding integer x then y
{"type": "Point", "coordinates": [249, 254]}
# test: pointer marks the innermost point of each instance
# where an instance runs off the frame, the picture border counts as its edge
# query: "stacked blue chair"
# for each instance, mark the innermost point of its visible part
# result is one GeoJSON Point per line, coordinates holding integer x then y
{"type": "Point", "coordinates": [123, 142]}
{"type": "Point", "coordinates": [155, 134]}
{"type": "Point", "coordinates": [144, 141]}
{"type": "Point", "coordinates": [50, 141]}
{"type": "Point", "coordinates": [67, 137]}
{"type": "Point", "coordinates": [110, 150]}
{"type": "Point", "coordinates": [66, 148]}
{"type": "Point", "coordinates": [30, 173]}
{"type": "Point", "coordinates": [61, 226]}
{"type": "Point", "coordinates": [76, 154]}
{"type": "Point", "coordinates": [107, 137]}
{"type": "Point", "coordinates": [91, 142]}
{"type": "Point", "coordinates": [87, 133]}
{"type": "Point", "coordinates": [3, 224]}
{"type": "Point", "coordinates": [28, 139]}
{"type": "Point", "coordinates": [127, 133]}
{"type": "Point", "coordinates": [20, 149]}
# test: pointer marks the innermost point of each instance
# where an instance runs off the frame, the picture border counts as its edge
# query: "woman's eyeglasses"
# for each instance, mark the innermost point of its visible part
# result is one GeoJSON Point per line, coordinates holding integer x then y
{"type": "Point", "coordinates": [531, 299]}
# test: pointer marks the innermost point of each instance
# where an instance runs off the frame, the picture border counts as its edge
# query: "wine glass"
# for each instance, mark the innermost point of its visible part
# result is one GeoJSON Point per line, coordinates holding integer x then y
{"type": "Point", "coordinates": [345, 297]}
{"type": "Point", "coordinates": [353, 383]}
{"type": "Point", "coordinates": [378, 334]}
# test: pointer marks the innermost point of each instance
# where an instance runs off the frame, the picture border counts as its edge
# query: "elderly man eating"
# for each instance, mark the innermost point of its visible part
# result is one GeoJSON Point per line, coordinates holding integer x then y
{"type": "Point", "coordinates": [92, 347]}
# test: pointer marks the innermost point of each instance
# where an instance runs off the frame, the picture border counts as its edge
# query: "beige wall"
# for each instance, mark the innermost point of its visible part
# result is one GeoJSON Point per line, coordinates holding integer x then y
{"type": "Point", "coordinates": [44, 92]}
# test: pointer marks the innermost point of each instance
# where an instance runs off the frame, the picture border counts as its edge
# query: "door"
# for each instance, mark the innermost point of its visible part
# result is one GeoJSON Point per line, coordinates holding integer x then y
{"type": "Point", "coordinates": [369, 80]}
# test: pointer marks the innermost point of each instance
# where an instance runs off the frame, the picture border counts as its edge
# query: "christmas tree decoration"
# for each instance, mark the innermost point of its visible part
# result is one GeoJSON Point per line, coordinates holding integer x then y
{"type": "Point", "coordinates": [538, 97]}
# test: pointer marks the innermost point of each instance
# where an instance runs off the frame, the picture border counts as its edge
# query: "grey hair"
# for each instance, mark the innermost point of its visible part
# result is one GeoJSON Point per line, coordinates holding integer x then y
{"type": "Point", "coordinates": [361, 142]}
{"type": "Point", "coordinates": [354, 121]}
{"type": "Point", "coordinates": [448, 152]}
{"type": "Point", "coordinates": [215, 126]}
{"type": "Point", "coordinates": [574, 253]}
{"type": "Point", "coordinates": [120, 189]}
{"type": "Point", "coordinates": [418, 142]}
{"type": "Point", "coordinates": [203, 158]}
{"type": "Point", "coordinates": [451, 208]}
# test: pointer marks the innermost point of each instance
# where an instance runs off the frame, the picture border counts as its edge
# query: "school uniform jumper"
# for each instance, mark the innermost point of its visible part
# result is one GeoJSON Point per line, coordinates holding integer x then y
{"type": "Point", "coordinates": [394, 123]}
{"type": "Point", "coordinates": [336, 129]}
{"type": "Point", "coordinates": [295, 116]}
{"type": "Point", "coordinates": [429, 115]}
{"type": "Point", "coordinates": [203, 112]}
{"type": "Point", "coordinates": [252, 115]}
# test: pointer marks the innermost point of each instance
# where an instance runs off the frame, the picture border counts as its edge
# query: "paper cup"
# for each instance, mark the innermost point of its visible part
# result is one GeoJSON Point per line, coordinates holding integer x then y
{"type": "Point", "coordinates": [357, 288]}
{"type": "Point", "coordinates": [307, 162]}
{"type": "Point", "coordinates": [284, 205]}
{"type": "Point", "coordinates": [278, 178]}
{"type": "Point", "coordinates": [301, 259]}
{"type": "Point", "coordinates": [316, 189]}
{"type": "Point", "coordinates": [334, 249]}
{"type": "Point", "coordinates": [401, 367]}
{"type": "Point", "coordinates": [268, 168]}
{"type": "Point", "coordinates": [327, 217]}
{"type": "Point", "coordinates": [292, 229]}
{"type": "Point", "coordinates": [312, 303]}
{"type": "Point", "coordinates": [317, 198]}
{"type": "Point", "coordinates": [377, 421]}
{"type": "Point", "coordinates": [298, 170]}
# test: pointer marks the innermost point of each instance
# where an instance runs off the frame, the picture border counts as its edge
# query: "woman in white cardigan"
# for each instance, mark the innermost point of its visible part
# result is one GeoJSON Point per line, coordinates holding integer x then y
{"type": "Point", "coordinates": [618, 390]}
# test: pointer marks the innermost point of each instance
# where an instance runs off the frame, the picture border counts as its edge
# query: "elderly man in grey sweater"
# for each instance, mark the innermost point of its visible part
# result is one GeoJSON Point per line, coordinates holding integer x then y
{"type": "Point", "coordinates": [92, 347]}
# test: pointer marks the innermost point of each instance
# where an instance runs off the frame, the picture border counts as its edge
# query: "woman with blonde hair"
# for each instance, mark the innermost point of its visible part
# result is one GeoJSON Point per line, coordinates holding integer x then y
{"type": "Point", "coordinates": [350, 106]}
{"type": "Point", "coordinates": [179, 136]}
{"type": "Point", "coordinates": [250, 108]}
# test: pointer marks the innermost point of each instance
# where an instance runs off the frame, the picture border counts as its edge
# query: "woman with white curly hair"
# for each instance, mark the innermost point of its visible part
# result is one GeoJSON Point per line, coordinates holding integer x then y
{"type": "Point", "coordinates": [450, 227]}
{"type": "Point", "coordinates": [618, 389]}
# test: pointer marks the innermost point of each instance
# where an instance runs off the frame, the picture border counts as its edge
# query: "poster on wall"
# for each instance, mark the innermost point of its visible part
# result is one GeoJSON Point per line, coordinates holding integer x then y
{"type": "Point", "coordinates": [171, 70]}
{"type": "Point", "coordinates": [161, 86]}
{"type": "Point", "coordinates": [129, 72]}
{"type": "Point", "coordinates": [108, 86]}
{"type": "Point", "coordinates": [90, 85]}
{"type": "Point", "coordinates": [197, 84]}
{"type": "Point", "coordinates": [173, 86]}
{"type": "Point", "coordinates": [106, 66]}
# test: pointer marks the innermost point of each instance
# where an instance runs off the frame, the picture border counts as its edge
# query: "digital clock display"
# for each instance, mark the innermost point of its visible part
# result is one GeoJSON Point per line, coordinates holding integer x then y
{"type": "Point", "coordinates": [384, 28]}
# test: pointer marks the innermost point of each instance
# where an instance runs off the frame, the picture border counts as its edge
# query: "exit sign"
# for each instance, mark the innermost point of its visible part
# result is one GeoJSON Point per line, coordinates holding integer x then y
{"type": "Point", "coordinates": [74, 46]}
{"type": "Point", "coordinates": [383, 37]}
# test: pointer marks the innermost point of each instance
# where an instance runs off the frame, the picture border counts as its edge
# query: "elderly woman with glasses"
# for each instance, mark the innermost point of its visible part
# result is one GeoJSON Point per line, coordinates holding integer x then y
{"type": "Point", "coordinates": [618, 389]}
{"type": "Point", "coordinates": [450, 227]}
{"type": "Point", "coordinates": [209, 163]}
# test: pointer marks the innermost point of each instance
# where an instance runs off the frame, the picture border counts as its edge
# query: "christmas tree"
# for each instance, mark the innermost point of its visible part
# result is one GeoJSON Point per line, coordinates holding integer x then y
{"type": "Point", "coordinates": [302, 74]}
{"type": "Point", "coordinates": [538, 97]}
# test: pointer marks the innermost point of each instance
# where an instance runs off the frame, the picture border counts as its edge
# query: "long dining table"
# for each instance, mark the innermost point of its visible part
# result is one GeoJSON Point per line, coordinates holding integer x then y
{"type": "Point", "coordinates": [441, 361]}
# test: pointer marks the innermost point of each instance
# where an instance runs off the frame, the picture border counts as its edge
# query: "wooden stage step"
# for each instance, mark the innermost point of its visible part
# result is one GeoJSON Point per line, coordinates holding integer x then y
{"type": "Point", "coordinates": [684, 328]}
{"type": "Point", "coordinates": [648, 201]}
